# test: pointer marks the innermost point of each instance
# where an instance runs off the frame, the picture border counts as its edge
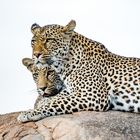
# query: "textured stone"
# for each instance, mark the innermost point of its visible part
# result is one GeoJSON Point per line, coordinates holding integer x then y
{"type": "Point", "coordinates": [110, 125]}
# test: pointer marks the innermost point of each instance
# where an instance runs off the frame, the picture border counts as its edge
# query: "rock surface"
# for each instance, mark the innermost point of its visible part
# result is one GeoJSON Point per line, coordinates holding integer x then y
{"type": "Point", "coordinates": [110, 125]}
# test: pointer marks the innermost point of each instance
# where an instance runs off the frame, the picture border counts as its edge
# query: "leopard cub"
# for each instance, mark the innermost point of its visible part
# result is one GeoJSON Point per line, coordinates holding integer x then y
{"type": "Point", "coordinates": [47, 80]}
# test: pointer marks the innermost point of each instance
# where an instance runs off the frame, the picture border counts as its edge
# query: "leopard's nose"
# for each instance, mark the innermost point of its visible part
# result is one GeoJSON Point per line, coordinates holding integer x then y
{"type": "Point", "coordinates": [37, 55]}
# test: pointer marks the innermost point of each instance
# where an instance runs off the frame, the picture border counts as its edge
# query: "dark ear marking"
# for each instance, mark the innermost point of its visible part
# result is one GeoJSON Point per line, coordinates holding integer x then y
{"type": "Point", "coordinates": [35, 28]}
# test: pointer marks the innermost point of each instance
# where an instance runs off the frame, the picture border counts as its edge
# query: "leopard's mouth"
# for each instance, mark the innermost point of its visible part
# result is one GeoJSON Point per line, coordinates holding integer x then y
{"type": "Point", "coordinates": [53, 93]}
{"type": "Point", "coordinates": [45, 95]}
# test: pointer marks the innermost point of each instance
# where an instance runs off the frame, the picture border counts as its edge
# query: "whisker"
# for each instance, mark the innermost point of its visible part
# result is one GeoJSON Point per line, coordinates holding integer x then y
{"type": "Point", "coordinates": [34, 91]}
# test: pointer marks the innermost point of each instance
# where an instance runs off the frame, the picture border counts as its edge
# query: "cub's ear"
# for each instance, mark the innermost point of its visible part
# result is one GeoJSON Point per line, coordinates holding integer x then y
{"type": "Point", "coordinates": [28, 62]}
{"type": "Point", "coordinates": [35, 29]}
{"type": "Point", "coordinates": [69, 28]}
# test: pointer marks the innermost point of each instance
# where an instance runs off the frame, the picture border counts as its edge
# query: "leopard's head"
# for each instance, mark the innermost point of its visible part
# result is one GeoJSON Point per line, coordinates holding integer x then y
{"type": "Point", "coordinates": [51, 43]}
{"type": "Point", "coordinates": [47, 80]}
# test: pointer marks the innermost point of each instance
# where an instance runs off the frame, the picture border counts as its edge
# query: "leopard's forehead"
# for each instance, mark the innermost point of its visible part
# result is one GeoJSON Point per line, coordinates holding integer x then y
{"type": "Point", "coordinates": [53, 28]}
{"type": "Point", "coordinates": [40, 67]}
{"type": "Point", "coordinates": [48, 31]}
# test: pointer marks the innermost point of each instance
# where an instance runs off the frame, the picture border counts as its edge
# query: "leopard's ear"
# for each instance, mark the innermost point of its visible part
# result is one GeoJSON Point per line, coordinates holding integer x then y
{"type": "Point", "coordinates": [69, 28]}
{"type": "Point", "coordinates": [28, 62]}
{"type": "Point", "coordinates": [35, 29]}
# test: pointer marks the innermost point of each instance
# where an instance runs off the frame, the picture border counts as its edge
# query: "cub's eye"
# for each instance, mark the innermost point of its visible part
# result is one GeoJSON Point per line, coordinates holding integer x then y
{"type": "Point", "coordinates": [51, 75]}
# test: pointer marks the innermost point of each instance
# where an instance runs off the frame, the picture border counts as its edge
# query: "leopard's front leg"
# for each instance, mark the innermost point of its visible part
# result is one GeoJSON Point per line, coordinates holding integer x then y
{"type": "Point", "coordinates": [58, 105]}
{"type": "Point", "coordinates": [30, 115]}
{"type": "Point", "coordinates": [40, 108]}
{"type": "Point", "coordinates": [65, 105]}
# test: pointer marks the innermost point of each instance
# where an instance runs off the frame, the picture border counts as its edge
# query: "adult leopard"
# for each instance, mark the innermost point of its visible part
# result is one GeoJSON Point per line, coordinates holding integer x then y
{"type": "Point", "coordinates": [96, 79]}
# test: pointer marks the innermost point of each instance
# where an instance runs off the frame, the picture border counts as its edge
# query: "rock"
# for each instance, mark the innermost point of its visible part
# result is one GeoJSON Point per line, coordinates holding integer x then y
{"type": "Point", "coordinates": [111, 125]}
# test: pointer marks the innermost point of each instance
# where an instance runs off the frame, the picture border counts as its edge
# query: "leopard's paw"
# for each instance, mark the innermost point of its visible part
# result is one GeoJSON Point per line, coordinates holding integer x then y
{"type": "Point", "coordinates": [23, 117]}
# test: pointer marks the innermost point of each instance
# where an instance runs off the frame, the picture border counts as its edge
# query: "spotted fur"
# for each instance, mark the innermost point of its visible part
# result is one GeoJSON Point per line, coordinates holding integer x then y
{"type": "Point", "coordinates": [96, 79]}
{"type": "Point", "coordinates": [47, 80]}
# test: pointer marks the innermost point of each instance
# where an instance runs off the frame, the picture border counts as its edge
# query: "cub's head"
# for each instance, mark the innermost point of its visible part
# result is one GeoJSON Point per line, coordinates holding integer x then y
{"type": "Point", "coordinates": [47, 80]}
{"type": "Point", "coordinates": [51, 43]}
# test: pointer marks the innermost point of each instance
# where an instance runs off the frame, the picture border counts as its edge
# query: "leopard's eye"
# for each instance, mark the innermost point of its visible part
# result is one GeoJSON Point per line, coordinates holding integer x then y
{"type": "Point", "coordinates": [35, 75]}
{"type": "Point", "coordinates": [33, 41]}
{"type": "Point", "coordinates": [51, 40]}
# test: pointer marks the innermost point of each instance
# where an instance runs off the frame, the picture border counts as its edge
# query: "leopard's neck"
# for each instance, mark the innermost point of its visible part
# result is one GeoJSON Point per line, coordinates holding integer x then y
{"type": "Point", "coordinates": [80, 49]}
